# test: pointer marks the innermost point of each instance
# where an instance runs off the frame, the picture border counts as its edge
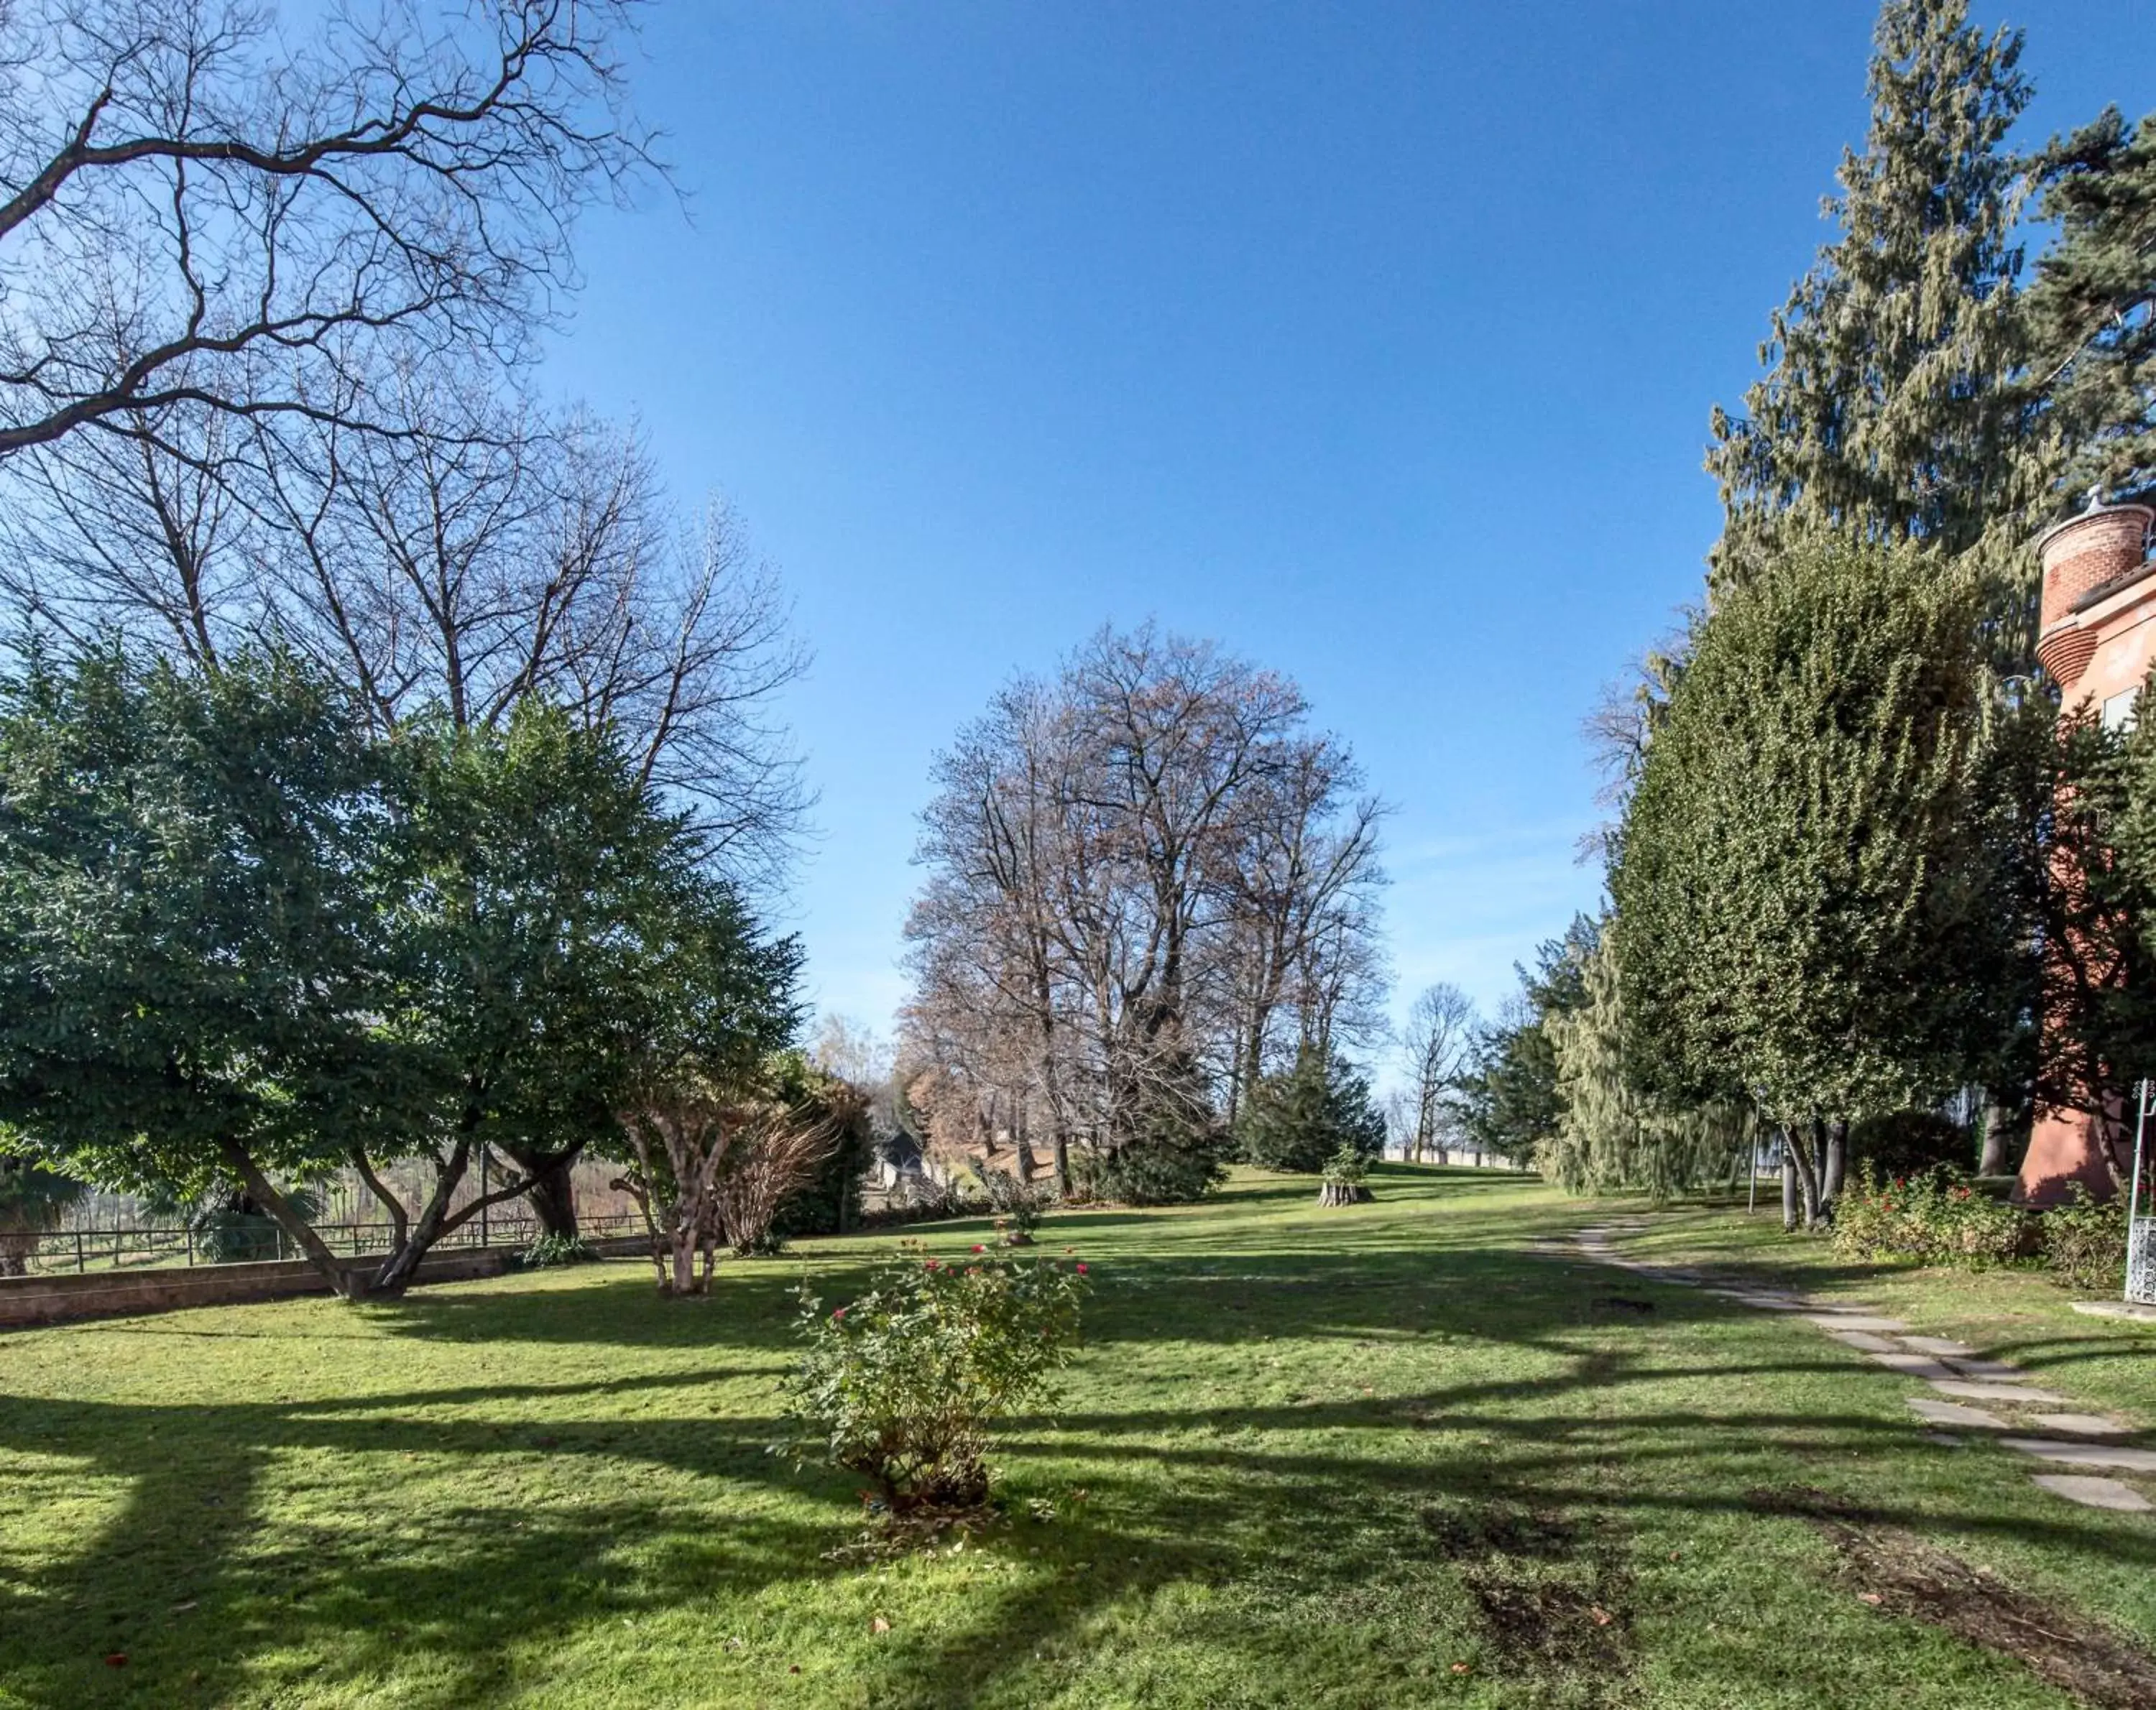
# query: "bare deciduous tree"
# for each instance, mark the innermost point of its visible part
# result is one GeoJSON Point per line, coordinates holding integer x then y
{"type": "Point", "coordinates": [711, 1171]}
{"type": "Point", "coordinates": [198, 213]}
{"type": "Point", "coordinates": [1148, 880]}
{"type": "Point", "coordinates": [1437, 1047]}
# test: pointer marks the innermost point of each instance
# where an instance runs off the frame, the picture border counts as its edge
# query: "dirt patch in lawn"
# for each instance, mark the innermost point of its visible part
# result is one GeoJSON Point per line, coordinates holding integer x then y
{"type": "Point", "coordinates": [1896, 1571]}
{"type": "Point", "coordinates": [1552, 1598]}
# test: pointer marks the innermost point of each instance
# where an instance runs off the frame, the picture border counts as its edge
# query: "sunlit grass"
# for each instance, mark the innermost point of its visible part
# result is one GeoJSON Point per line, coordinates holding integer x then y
{"type": "Point", "coordinates": [1295, 1465]}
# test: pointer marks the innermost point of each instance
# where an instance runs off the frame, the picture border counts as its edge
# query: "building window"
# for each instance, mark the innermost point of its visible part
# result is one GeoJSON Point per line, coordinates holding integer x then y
{"type": "Point", "coordinates": [2119, 707]}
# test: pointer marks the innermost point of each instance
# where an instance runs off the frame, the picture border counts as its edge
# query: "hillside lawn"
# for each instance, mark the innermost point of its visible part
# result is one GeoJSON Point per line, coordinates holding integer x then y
{"type": "Point", "coordinates": [1380, 1455]}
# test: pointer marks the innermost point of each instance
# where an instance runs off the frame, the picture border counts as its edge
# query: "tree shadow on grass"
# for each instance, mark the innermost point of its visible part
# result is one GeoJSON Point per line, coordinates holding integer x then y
{"type": "Point", "coordinates": [208, 1603]}
{"type": "Point", "coordinates": [539, 1515]}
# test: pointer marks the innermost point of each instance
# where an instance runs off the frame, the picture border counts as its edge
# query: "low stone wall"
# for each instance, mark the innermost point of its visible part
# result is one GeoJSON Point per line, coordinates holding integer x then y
{"type": "Point", "coordinates": [26, 1301]}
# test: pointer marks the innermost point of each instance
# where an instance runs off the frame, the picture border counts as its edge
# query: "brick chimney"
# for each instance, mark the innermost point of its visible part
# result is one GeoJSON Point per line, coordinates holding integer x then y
{"type": "Point", "coordinates": [2080, 555]}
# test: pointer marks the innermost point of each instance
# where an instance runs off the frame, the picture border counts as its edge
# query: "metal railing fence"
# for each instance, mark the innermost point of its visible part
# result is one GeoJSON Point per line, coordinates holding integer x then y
{"type": "Point", "coordinates": [82, 1251]}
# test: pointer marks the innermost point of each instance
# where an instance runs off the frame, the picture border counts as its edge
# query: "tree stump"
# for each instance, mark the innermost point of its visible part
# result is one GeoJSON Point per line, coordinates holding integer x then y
{"type": "Point", "coordinates": [1343, 1193]}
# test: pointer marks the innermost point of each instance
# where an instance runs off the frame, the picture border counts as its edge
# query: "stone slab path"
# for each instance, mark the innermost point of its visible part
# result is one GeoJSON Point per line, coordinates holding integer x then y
{"type": "Point", "coordinates": [2017, 1413]}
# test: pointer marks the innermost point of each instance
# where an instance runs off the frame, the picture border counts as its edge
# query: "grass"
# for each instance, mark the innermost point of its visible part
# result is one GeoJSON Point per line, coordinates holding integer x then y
{"type": "Point", "coordinates": [2011, 1313]}
{"type": "Point", "coordinates": [1381, 1455]}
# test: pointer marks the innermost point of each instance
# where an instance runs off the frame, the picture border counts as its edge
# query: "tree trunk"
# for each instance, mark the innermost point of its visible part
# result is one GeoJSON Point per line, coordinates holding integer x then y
{"type": "Point", "coordinates": [396, 1272]}
{"type": "Point", "coordinates": [349, 1281]}
{"type": "Point", "coordinates": [1343, 1193]}
{"type": "Point", "coordinates": [1790, 1198]}
{"type": "Point", "coordinates": [1997, 1156]}
{"type": "Point", "coordinates": [1837, 1165]}
{"type": "Point", "coordinates": [552, 1193]}
{"type": "Point", "coordinates": [1797, 1143]}
{"type": "Point", "coordinates": [682, 1238]}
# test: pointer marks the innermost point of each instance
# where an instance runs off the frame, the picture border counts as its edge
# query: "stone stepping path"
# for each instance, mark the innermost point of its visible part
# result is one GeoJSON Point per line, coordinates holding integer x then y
{"type": "Point", "coordinates": [2013, 1406]}
{"type": "Point", "coordinates": [2095, 1493]}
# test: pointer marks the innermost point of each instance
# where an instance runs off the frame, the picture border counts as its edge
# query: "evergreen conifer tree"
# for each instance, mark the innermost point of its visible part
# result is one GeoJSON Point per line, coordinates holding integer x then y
{"type": "Point", "coordinates": [1297, 1119]}
{"type": "Point", "coordinates": [1889, 407]}
{"type": "Point", "coordinates": [1613, 1136]}
{"type": "Point", "coordinates": [2092, 312]}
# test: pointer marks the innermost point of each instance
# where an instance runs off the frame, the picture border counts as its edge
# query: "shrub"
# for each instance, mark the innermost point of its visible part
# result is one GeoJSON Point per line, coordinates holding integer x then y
{"type": "Point", "coordinates": [1149, 1171]}
{"type": "Point", "coordinates": [2084, 1241]}
{"type": "Point", "coordinates": [906, 1384]}
{"type": "Point", "coordinates": [32, 1200]}
{"type": "Point", "coordinates": [922, 1198]}
{"type": "Point", "coordinates": [1935, 1218]}
{"type": "Point", "coordinates": [1347, 1167]}
{"type": "Point", "coordinates": [1019, 1206]}
{"type": "Point", "coordinates": [1909, 1142]}
{"type": "Point", "coordinates": [829, 1202]}
{"type": "Point", "coordinates": [549, 1251]}
{"type": "Point", "coordinates": [1344, 1174]}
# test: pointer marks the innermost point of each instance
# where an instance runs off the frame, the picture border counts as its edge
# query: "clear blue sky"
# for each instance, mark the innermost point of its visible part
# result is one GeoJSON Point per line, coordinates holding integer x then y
{"type": "Point", "coordinates": [1376, 342]}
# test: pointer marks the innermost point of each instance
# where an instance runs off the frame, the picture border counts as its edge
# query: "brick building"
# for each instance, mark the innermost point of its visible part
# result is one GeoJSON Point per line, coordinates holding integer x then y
{"type": "Point", "coordinates": [2098, 639]}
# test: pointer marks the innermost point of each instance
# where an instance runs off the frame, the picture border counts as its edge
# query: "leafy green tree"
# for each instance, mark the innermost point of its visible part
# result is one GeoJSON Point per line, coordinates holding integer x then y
{"type": "Point", "coordinates": [1297, 1120]}
{"type": "Point", "coordinates": [1889, 406]}
{"type": "Point", "coordinates": [539, 878]}
{"type": "Point", "coordinates": [2097, 921]}
{"type": "Point", "coordinates": [1806, 900]}
{"type": "Point", "coordinates": [243, 944]}
{"type": "Point", "coordinates": [193, 952]}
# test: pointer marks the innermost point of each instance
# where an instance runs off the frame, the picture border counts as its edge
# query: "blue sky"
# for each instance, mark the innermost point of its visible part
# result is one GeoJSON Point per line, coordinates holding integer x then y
{"type": "Point", "coordinates": [1375, 341]}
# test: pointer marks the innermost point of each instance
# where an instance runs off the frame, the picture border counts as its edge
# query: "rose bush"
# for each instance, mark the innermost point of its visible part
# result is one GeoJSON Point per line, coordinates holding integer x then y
{"type": "Point", "coordinates": [905, 1384]}
{"type": "Point", "coordinates": [1933, 1218]}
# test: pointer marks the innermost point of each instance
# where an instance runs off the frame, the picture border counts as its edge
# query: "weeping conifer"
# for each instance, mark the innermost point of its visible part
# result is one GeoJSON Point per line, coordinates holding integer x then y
{"type": "Point", "coordinates": [1615, 1137]}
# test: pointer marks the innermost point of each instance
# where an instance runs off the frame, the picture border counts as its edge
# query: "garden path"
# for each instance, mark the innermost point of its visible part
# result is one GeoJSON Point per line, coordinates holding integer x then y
{"type": "Point", "coordinates": [1970, 1393]}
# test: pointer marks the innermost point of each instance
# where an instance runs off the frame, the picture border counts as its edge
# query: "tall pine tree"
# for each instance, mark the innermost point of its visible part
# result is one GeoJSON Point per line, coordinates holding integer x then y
{"type": "Point", "coordinates": [1888, 407]}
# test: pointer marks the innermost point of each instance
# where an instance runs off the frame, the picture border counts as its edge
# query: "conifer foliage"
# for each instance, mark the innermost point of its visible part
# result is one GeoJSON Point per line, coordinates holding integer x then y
{"type": "Point", "coordinates": [1887, 408]}
{"type": "Point", "coordinates": [2092, 310]}
{"type": "Point", "coordinates": [1301, 1118]}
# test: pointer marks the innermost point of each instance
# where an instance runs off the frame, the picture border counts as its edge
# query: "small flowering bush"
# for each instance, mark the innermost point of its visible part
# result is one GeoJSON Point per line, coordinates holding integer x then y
{"type": "Point", "coordinates": [1933, 1218]}
{"type": "Point", "coordinates": [2085, 1241]}
{"type": "Point", "coordinates": [906, 1384]}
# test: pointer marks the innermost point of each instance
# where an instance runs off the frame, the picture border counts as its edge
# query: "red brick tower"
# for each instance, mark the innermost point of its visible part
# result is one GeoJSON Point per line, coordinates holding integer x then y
{"type": "Point", "coordinates": [2096, 636]}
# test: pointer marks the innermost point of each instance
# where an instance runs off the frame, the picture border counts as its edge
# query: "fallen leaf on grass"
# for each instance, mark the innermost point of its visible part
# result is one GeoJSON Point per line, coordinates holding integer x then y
{"type": "Point", "coordinates": [1870, 1597]}
{"type": "Point", "coordinates": [880, 1625]}
{"type": "Point", "coordinates": [1602, 1616]}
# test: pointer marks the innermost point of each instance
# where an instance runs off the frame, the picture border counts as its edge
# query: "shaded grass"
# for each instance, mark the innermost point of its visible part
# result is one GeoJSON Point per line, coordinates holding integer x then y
{"type": "Point", "coordinates": [1307, 1458]}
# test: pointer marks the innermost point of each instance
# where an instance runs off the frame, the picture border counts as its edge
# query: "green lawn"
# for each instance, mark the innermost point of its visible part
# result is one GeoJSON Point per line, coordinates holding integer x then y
{"type": "Point", "coordinates": [1307, 1458]}
{"type": "Point", "coordinates": [2013, 1314]}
